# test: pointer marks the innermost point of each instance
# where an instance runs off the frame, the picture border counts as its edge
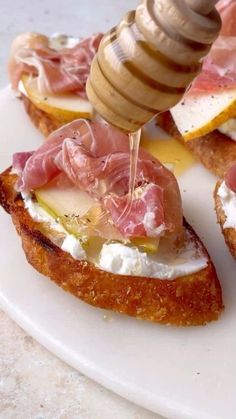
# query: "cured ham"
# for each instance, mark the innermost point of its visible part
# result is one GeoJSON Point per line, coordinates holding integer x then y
{"type": "Point", "coordinates": [58, 71]}
{"type": "Point", "coordinates": [230, 178]}
{"type": "Point", "coordinates": [97, 138]}
{"type": "Point", "coordinates": [146, 212]}
{"type": "Point", "coordinates": [96, 158]}
{"type": "Point", "coordinates": [19, 161]}
{"type": "Point", "coordinates": [227, 10]}
{"type": "Point", "coordinates": [219, 67]}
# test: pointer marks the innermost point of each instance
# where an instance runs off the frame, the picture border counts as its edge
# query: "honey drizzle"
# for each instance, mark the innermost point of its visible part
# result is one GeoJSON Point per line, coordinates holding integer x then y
{"type": "Point", "coordinates": [168, 151]}
{"type": "Point", "coordinates": [134, 143]}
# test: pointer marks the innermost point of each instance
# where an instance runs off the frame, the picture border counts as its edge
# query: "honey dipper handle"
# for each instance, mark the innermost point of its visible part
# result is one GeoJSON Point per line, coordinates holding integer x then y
{"type": "Point", "coordinates": [203, 7]}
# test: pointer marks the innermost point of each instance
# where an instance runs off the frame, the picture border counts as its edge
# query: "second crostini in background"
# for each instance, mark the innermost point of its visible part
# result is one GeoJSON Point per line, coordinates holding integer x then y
{"type": "Point", "coordinates": [205, 120]}
{"type": "Point", "coordinates": [50, 73]}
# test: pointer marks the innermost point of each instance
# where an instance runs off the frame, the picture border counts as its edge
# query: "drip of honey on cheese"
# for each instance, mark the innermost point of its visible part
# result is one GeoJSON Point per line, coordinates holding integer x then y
{"type": "Point", "coordinates": [168, 151]}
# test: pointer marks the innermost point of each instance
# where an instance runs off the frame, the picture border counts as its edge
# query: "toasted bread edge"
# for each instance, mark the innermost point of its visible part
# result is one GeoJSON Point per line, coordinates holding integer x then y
{"type": "Point", "coordinates": [190, 300]}
{"type": "Point", "coordinates": [215, 150]}
{"type": "Point", "coordinates": [44, 122]}
{"type": "Point", "coordinates": [229, 233]}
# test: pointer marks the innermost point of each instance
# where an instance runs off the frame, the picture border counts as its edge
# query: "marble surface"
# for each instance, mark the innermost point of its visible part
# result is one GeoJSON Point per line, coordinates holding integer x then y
{"type": "Point", "coordinates": [34, 384]}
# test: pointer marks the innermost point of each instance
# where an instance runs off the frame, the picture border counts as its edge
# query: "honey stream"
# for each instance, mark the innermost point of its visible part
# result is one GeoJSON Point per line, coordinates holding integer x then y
{"type": "Point", "coordinates": [134, 143]}
{"type": "Point", "coordinates": [167, 150]}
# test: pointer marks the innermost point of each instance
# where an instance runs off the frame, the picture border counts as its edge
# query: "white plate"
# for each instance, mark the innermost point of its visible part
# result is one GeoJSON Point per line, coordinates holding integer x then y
{"type": "Point", "coordinates": [179, 373]}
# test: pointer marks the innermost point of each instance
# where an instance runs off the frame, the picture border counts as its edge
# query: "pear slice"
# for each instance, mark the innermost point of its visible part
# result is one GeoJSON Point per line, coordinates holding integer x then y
{"type": "Point", "coordinates": [198, 115]}
{"type": "Point", "coordinates": [65, 202]}
{"type": "Point", "coordinates": [80, 215]}
{"type": "Point", "coordinates": [63, 107]}
{"type": "Point", "coordinates": [75, 210]}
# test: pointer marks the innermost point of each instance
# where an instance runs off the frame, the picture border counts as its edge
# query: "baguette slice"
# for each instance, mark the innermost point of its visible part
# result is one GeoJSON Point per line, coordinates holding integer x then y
{"type": "Point", "coordinates": [215, 150]}
{"type": "Point", "coordinates": [45, 122]}
{"type": "Point", "coordinates": [190, 300]}
{"type": "Point", "coordinates": [229, 233]}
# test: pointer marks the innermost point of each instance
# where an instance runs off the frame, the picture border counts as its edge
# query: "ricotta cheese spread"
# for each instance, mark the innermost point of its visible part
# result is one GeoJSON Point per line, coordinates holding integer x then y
{"type": "Point", "coordinates": [124, 260]}
{"type": "Point", "coordinates": [70, 244]}
{"type": "Point", "coordinates": [121, 259]}
{"type": "Point", "coordinates": [228, 201]}
{"type": "Point", "coordinates": [73, 246]}
{"type": "Point", "coordinates": [59, 40]}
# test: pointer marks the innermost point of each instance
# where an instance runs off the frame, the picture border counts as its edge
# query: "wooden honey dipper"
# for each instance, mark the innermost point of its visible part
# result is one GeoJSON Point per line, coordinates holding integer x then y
{"type": "Point", "coordinates": [145, 64]}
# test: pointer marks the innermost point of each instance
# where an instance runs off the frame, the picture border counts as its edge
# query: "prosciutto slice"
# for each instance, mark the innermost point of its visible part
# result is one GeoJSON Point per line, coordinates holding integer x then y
{"type": "Point", "coordinates": [230, 178]}
{"type": "Point", "coordinates": [58, 71]}
{"type": "Point", "coordinates": [19, 161]}
{"type": "Point", "coordinates": [96, 158]}
{"type": "Point", "coordinates": [144, 214]}
{"type": "Point", "coordinates": [219, 66]}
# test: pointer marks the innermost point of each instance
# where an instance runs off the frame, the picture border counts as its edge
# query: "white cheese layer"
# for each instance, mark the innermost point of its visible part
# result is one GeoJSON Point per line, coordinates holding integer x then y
{"type": "Point", "coordinates": [39, 214]}
{"type": "Point", "coordinates": [124, 260]}
{"type": "Point", "coordinates": [121, 259]}
{"type": "Point", "coordinates": [73, 246]}
{"type": "Point", "coordinates": [228, 201]}
{"type": "Point", "coordinates": [229, 128]}
{"type": "Point", "coordinates": [59, 40]}
{"type": "Point", "coordinates": [70, 244]}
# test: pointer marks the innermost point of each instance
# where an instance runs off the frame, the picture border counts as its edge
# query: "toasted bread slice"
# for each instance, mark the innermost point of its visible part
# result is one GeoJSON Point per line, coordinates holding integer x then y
{"type": "Point", "coordinates": [215, 150]}
{"type": "Point", "coordinates": [229, 233]}
{"type": "Point", "coordinates": [190, 300]}
{"type": "Point", "coordinates": [43, 121]}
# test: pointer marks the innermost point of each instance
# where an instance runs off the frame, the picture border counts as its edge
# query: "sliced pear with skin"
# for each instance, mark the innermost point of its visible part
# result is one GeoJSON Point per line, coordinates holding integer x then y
{"type": "Point", "coordinates": [65, 202]}
{"type": "Point", "coordinates": [74, 209]}
{"type": "Point", "coordinates": [63, 107]}
{"type": "Point", "coordinates": [78, 213]}
{"type": "Point", "coordinates": [198, 115]}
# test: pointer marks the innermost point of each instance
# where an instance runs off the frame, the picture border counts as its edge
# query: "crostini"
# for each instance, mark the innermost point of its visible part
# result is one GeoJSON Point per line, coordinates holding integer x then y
{"type": "Point", "coordinates": [205, 119]}
{"type": "Point", "coordinates": [50, 75]}
{"type": "Point", "coordinates": [225, 206]}
{"type": "Point", "coordinates": [69, 202]}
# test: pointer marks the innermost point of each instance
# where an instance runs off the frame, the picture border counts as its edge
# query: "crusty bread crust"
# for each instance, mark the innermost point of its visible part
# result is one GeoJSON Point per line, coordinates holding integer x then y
{"type": "Point", "coordinates": [214, 150]}
{"type": "Point", "coordinates": [44, 122]}
{"type": "Point", "coordinates": [229, 233]}
{"type": "Point", "coordinates": [189, 300]}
